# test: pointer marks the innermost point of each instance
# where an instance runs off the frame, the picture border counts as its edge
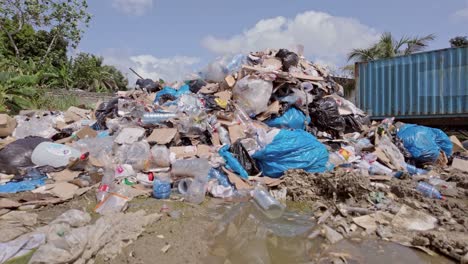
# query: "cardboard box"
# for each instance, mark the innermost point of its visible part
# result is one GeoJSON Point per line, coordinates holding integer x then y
{"type": "Point", "coordinates": [7, 125]}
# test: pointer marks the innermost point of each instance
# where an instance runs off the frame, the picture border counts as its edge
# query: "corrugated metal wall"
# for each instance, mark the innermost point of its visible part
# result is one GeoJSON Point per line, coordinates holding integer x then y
{"type": "Point", "coordinates": [428, 84]}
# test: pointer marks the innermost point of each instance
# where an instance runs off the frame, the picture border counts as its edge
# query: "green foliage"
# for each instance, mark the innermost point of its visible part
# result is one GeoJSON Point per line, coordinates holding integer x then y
{"type": "Point", "coordinates": [459, 42]}
{"type": "Point", "coordinates": [90, 74]}
{"type": "Point", "coordinates": [56, 103]}
{"type": "Point", "coordinates": [17, 91]}
{"type": "Point", "coordinates": [389, 47]}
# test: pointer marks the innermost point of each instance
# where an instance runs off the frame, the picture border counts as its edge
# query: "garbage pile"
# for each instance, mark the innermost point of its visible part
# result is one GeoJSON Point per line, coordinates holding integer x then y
{"type": "Point", "coordinates": [235, 132]}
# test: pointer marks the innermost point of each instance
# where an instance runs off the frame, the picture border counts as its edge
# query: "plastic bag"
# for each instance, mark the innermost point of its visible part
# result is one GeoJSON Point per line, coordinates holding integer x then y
{"type": "Point", "coordinates": [424, 143]}
{"type": "Point", "coordinates": [196, 85]}
{"type": "Point", "coordinates": [232, 162]}
{"type": "Point", "coordinates": [148, 85]}
{"type": "Point", "coordinates": [325, 115]}
{"type": "Point", "coordinates": [17, 155]}
{"type": "Point", "coordinates": [292, 118]}
{"type": "Point", "coordinates": [288, 58]}
{"type": "Point", "coordinates": [172, 92]}
{"type": "Point", "coordinates": [294, 149]}
{"type": "Point", "coordinates": [253, 94]}
{"type": "Point", "coordinates": [242, 155]}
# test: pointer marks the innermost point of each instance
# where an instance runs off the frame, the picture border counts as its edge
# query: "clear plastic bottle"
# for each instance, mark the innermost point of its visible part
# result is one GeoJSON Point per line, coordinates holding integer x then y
{"type": "Point", "coordinates": [377, 168]}
{"type": "Point", "coordinates": [429, 191]}
{"type": "Point", "coordinates": [107, 184]}
{"type": "Point", "coordinates": [223, 134]}
{"type": "Point", "coordinates": [415, 171]}
{"type": "Point", "coordinates": [162, 186]}
{"type": "Point", "coordinates": [156, 118]}
{"type": "Point", "coordinates": [269, 205]}
{"type": "Point", "coordinates": [53, 154]}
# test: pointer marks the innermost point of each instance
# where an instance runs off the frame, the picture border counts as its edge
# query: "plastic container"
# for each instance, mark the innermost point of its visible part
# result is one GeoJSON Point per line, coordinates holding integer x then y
{"type": "Point", "coordinates": [269, 205]}
{"type": "Point", "coordinates": [223, 134]}
{"type": "Point", "coordinates": [377, 168]}
{"type": "Point", "coordinates": [220, 176]}
{"type": "Point", "coordinates": [162, 186]}
{"type": "Point", "coordinates": [53, 154]}
{"type": "Point", "coordinates": [156, 118]}
{"type": "Point", "coordinates": [107, 185]}
{"type": "Point", "coordinates": [415, 171]}
{"type": "Point", "coordinates": [160, 156]}
{"type": "Point", "coordinates": [184, 185]}
{"type": "Point", "coordinates": [191, 168]}
{"type": "Point", "coordinates": [429, 191]}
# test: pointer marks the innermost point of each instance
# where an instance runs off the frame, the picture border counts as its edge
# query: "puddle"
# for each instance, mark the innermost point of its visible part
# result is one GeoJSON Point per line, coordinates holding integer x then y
{"type": "Point", "coordinates": [242, 234]}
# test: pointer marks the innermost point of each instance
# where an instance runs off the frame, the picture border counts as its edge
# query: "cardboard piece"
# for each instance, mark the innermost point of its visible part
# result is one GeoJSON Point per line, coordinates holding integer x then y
{"type": "Point", "coordinates": [184, 151]}
{"type": "Point", "coordinates": [64, 140]}
{"type": "Point", "coordinates": [64, 190]}
{"type": "Point", "coordinates": [306, 77]}
{"type": "Point", "coordinates": [7, 125]}
{"type": "Point", "coordinates": [236, 132]}
{"type": "Point", "coordinates": [273, 108]}
{"type": "Point", "coordinates": [237, 180]}
{"type": "Point", "coordinates": [273, 64]}
{"type": "Point", "coordinates": [460, 164]}
{"type": "Point", "coordinates": [74, 114]}
{"type": "Point", "coordinates": [64, 176]}
{"type": "Point", "coordinates": [230, 81]}
{"type": "Point", "coordinates": [225, 95]}
{"type": "Point", "coordinates": [7, 203]}
{"type": "Point", "coordinates": [457, 145]}
{"type": "Point", "coordinates": [162, 136]}
{"type": "Point", "coordinates": [209, 88]}
{"type": "Point", "coordinates": [204, 151]}
{"type": "Point", "coordinates": [86, 132]}
{"type": "Point", "coordinates": [270, 182]}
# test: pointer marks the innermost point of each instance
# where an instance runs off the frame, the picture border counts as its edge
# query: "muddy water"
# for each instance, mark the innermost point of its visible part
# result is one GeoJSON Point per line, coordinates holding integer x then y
{"type": "Point", "coordinates": [242, 234]}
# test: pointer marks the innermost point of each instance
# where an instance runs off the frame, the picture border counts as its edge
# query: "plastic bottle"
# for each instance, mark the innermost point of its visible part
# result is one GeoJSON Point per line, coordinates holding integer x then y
{"type": "Point", "coordinates": [107, 184]}
{"type": "Point", "coordinates": [156, 118]}
{"type": "Point", "coordinates": [220, 176]}
{"type": "Point", "coordinates": [197, 169]}
{"type": "Point", "coordinates": [162, 186]}
{"type": "Point", "coordinates": [53, 154]}
{"type": "Point", "coordinates": [415, 171]}
{"type": "Point", "coordinates": [269, 205]}
{"type": "Point", "coordinates": [184, 185]}
{"type": "Point", "coordinates": [377, 168]}
{"type": "Point", "coordinates": [223, 134]}
{"type": "Point", "coordinates": [436, 181]}
{"type": "Point", "coordinates": [429, 191]}
{"type": "Point", "coordinates": [160, 156]}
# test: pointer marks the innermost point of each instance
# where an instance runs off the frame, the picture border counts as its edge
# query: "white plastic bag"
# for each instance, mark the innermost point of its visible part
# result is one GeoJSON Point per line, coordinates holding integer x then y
{"type": "Point", "coordinates": [253, 94]}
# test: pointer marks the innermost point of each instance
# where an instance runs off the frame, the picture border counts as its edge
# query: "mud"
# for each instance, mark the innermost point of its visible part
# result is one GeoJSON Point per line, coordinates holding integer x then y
{"type": "Point", "coordinates": [341, 195]}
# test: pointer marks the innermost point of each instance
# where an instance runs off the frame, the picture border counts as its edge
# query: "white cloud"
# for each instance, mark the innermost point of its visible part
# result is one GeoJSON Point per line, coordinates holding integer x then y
{"type": "Point", "coordinates": [325, 37]}
{"type": "Point", "coordinates": [169, 69]}
{"type": "Point", "coordinates": [133, 7]}
{"type": "Point", "coordinates": [461, 15]}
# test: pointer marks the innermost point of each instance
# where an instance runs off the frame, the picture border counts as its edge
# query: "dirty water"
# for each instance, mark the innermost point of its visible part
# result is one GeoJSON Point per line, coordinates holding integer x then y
{"type": "Point", "coordinates": [220, 232]}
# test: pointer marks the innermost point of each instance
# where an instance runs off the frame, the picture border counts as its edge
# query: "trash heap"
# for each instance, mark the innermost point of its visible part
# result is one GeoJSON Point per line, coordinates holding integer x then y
{"type": "Point", "coordinates": [234, 132]}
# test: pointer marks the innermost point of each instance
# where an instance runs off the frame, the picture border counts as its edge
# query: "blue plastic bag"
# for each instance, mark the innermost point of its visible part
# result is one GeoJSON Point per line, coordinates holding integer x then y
{"type": "Point", "coordinates": [21, 186]}
{"type": "Point", "coordinates": [232, 162]}
{"type": "Point", "coordinates": [292, 118]}
{"type": "Point", "coordinates": [292, 149]}
{"type": "Point", "coordinates": [171, 91]}
{"type": "Point", "coordinates": [424, 143]}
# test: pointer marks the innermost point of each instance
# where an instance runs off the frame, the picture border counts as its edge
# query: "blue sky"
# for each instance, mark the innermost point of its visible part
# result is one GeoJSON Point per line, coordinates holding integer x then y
{"type": "Point", "coordinates": [168, 39]}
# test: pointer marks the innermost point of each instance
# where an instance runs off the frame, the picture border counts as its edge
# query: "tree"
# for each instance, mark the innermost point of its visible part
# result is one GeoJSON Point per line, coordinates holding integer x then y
{"type": "Point", "coordinates": [89, 72]}
{"type": "Point", "coordinates": [459, 42]}
{"type": "Point", "coordinates": [388, 47]}
{"type": "Point", "coordinates": [64, 19]}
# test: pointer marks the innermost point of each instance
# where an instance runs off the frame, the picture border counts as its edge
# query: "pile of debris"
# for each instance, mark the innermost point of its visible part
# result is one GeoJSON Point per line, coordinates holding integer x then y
{"type": "Point", "coordinates": [234, 132]}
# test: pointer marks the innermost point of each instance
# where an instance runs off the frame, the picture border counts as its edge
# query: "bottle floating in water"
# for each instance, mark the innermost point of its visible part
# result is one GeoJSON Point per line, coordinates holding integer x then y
{"type": "Point", "coordinates": [429, 191]}
{"type": "Point", "coordinates": [269, 205]}
{"type": "Point", "coordinates": [157, 117]}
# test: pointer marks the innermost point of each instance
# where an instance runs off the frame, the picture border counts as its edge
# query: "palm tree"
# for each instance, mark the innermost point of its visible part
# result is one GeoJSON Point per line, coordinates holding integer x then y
{"type": "Point", "coordinates": [388, 47]}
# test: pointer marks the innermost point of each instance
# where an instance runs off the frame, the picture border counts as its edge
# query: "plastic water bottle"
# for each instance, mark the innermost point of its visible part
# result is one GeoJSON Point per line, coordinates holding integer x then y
{"type": "Point", "coordinates": [106, 185]}
{"type": "Point", "coordinates": [429, 191]}
{"type": "Point", "coordinates": [269, 205]}
{"type": "Point", "coordinates": [156, 118]}
{"type": "Point", "coordinates": [415, 171]}
{"type": "Point", "coordinates": [161, 187]}
{"type": "Point", "coordinates": [223, 134]}
{"type": "Point", "coordinates": [220, 176]}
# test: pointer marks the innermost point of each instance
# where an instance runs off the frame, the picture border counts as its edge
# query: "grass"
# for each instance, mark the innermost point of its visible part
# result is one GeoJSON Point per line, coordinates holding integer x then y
{"type": "Point", "coordinates": [57, 103]}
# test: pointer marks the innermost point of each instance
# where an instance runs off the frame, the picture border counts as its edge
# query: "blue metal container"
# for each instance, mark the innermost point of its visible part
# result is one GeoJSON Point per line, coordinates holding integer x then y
{"type": "Point", "coordinates": [430, 84]}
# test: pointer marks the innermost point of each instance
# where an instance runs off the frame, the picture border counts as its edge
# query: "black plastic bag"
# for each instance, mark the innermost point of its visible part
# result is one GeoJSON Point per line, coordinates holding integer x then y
{"type": "Point", "coordinates": [288, 58]}
{"type": "Point", "coordinates": [148, 85]}
{"type": "Point", "coordinates": [17, 155]}
{"type": "Point", "coordinates": [242, 155]}
{"type": "Point", "coordinates": [103, 111]}
{"type": "Point", "coordinates": [196, 85]}
{"type": "Point", "coordinates": [325, 115]}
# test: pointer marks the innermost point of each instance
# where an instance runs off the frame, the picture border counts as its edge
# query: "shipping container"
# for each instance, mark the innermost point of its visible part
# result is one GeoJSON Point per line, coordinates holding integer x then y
{"type": "Point", "coordinates": [423, 85]}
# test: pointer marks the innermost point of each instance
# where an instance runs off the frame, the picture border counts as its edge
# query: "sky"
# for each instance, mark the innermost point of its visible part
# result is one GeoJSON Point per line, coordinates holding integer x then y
{"type": "Point", "coordinates": [170, 39]}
